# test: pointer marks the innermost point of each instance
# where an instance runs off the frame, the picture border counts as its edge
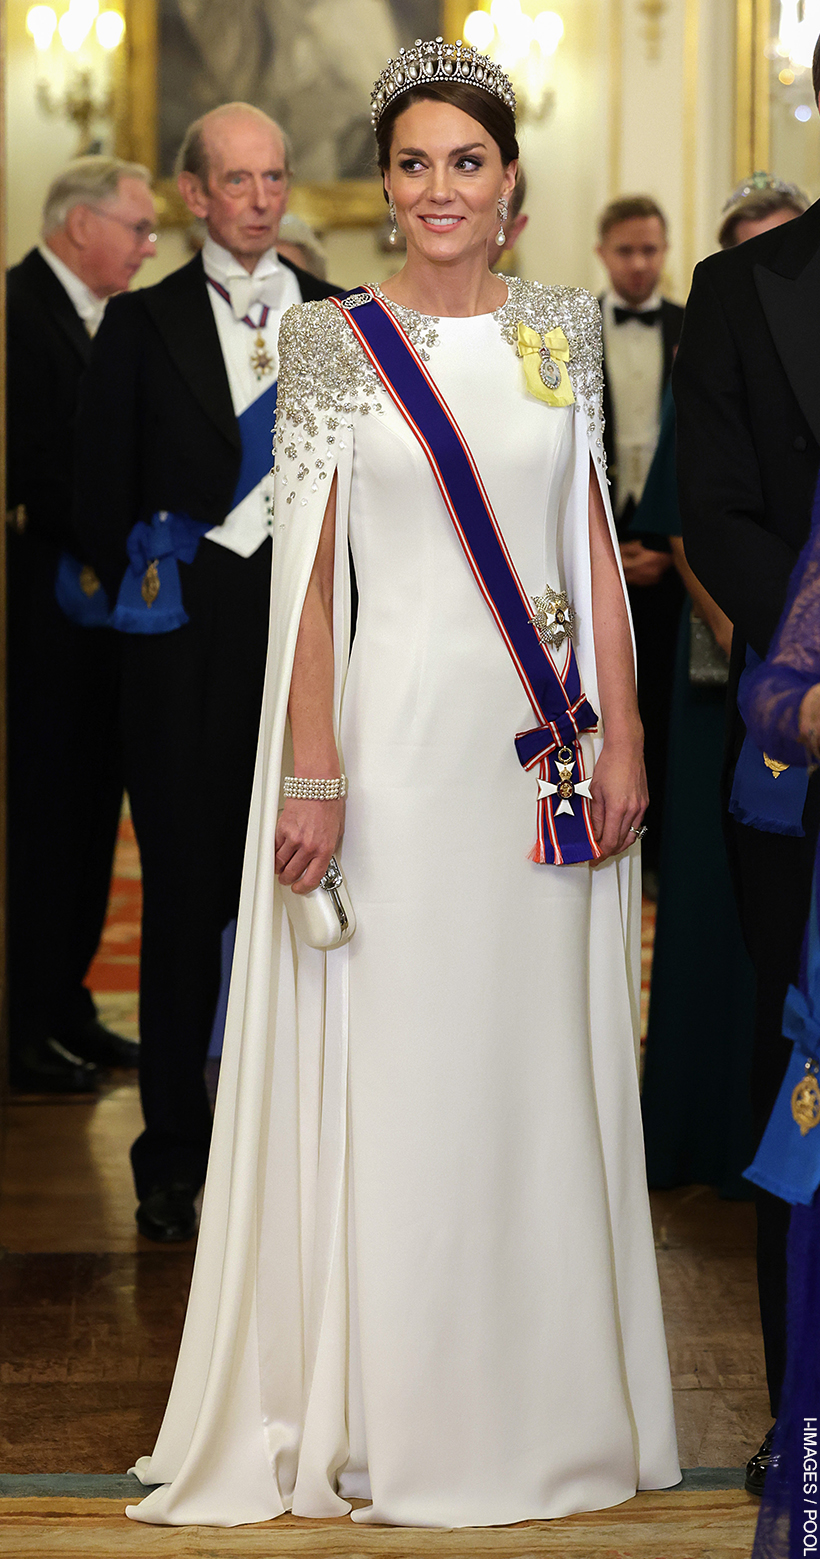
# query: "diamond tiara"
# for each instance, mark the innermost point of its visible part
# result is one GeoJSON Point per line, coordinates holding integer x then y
{"type": "Point", "coordinates": [438, 61]}
{"type": "Point", "coordinates": [761, 181]}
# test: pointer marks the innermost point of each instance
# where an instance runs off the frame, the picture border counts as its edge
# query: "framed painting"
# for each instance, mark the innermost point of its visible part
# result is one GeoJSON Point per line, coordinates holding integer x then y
{"type": "Point", "coordinates": [310, 64]}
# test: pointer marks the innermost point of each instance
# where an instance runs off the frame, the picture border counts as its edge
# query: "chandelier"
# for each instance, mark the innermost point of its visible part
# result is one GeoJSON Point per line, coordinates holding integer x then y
{"type": "Point", "coordinates": [797, 35]}
{"type": "Point", "coordinates": [523, 45]}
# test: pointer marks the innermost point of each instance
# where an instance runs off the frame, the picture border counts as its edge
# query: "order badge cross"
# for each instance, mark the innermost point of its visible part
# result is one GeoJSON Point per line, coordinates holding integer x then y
{"type": "Point", "coordinates": [567, 788]}
{"type": "Point", "coordinates": [262, 362]}
{"type": "Point", "coordinates": [806, 1100]}
{"type": "Point", "coordinates": [554, 617]}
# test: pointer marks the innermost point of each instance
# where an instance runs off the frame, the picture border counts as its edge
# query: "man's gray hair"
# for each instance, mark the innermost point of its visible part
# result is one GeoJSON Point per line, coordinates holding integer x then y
{"type": "Point", "coordinates": [87, 181]}
{"type": "Point", "coordinates": [192, 156]}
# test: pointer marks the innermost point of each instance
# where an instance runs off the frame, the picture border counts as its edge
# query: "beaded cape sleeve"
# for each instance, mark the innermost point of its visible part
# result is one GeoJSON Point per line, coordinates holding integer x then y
{"type": "Point", "coordinates": [325, 380]}
{"type": "Point", "coordinates": [770, 703]}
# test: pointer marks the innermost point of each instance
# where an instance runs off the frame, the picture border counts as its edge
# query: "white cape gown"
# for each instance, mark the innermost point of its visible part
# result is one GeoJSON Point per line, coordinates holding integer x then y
{"type": "Point", "coordinates": [425, 1272]}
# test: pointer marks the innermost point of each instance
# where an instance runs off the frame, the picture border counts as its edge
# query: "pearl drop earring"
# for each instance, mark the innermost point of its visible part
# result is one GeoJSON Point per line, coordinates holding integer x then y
{"type": "Point", "coordinates": [503, 209]}
{"type": "Point", "coordinates": [395, 230]}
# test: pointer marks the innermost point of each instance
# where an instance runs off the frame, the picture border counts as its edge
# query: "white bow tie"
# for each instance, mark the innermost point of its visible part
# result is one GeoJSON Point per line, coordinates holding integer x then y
{"type": "Point", "coordinates": [247, 291]}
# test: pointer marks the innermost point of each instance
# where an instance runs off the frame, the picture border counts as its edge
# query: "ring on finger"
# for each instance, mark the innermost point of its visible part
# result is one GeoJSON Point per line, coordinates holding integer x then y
{"type": "Point", "coordinates": [639, 832]}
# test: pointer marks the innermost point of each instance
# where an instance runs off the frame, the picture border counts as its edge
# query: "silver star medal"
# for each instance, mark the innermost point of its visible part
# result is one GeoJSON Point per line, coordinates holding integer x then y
{"type": "Point", "coordinates": [554, 617]}
{"type": "Point", "coordinates": [566, 787]}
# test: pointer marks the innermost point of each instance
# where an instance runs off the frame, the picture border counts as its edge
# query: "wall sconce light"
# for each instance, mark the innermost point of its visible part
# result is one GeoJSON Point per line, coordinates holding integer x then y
{"type": "Point", "coordinates": [523, 45]}
{"type": "Point", "coordinates": [87, 37]}
{"type": "Point", "coordinates": [791, 51]}
{"type": "Point", "coordinates": [652, 11]}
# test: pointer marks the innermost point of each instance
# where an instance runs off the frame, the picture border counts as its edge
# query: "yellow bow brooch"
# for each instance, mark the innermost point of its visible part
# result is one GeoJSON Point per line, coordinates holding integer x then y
{"type": "Point", "coordinates": [545, 359]}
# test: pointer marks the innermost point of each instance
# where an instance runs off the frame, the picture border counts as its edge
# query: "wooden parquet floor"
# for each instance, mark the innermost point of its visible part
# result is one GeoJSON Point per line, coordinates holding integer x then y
{"type": "Point", "coordinates": [91, 1315]}
{"type": "Point", "coordinates": [651, 1526]}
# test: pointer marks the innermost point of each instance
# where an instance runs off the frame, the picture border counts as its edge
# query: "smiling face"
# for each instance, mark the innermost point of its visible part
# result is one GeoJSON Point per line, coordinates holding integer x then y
{"type": "Point", "coordinates": [445, 179]}
{"type": "Point", "coordinates": [246, 192]}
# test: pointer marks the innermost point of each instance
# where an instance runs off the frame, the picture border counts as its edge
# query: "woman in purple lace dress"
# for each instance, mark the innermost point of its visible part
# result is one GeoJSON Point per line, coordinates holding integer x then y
{"type": "Point", "coordinates": [781, 708]}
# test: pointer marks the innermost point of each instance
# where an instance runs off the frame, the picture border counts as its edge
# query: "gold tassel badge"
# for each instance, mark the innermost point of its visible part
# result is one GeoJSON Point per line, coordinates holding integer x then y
{"type": "Point", "coordinates": [149, 589]}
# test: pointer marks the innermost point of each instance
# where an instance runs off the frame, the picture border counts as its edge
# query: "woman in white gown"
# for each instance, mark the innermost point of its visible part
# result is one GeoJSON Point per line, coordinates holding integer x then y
{"type": "Point", "coordinates": [425, 1276]}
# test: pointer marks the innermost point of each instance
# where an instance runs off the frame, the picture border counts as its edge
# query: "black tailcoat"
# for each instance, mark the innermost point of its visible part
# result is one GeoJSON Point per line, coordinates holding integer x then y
{"type": "Point", "coordinates": [65, 776]}
{"type": "Point", "coordinates": [156, 427]}
{"type": "Point", "coordinates": [655, 613]}
{"type": "Point", "coordinates": [157, 430]}
{"type": "Point", "coordinates": [747, 392]}
{"type": "Point", "coordinates": [48, 349]}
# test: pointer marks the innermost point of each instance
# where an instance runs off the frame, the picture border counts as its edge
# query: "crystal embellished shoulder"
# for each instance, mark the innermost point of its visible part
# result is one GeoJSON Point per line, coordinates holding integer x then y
{"type": "Point", "coordinates": [324, 371]}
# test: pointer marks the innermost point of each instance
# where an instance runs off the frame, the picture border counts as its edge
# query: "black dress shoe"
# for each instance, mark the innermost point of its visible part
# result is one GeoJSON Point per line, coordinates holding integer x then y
{"type": "Point", "coordinates": [167, 1213]}
{"type": "Point", "coordinates": [98, 1044]}
{"type": "Point", "coordinates": [758, 1465]}
{"type": "Point", "coordinates": [49, 1067]}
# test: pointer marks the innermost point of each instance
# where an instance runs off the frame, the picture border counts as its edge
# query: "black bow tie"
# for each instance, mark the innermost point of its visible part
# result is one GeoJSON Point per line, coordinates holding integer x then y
{"type": "Point", "coordinates": [646, 316]}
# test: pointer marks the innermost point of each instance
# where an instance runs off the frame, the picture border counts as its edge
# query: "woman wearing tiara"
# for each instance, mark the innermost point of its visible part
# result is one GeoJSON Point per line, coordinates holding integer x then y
{"type": "Point", "coordinates": [425, 1284]}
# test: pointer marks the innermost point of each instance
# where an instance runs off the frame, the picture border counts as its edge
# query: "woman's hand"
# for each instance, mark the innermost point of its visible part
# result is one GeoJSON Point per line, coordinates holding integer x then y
{"type": "Point", "coordinates": [619, 794]}
{"type": "Point", "coordinates": [809, 731]}
{"type": "Point", "coordinates": [307, 834]}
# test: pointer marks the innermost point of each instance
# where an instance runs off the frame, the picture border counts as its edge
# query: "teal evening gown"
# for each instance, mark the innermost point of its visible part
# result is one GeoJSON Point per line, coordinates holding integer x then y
{"type": "Point", "coordinates": [696, 1105]}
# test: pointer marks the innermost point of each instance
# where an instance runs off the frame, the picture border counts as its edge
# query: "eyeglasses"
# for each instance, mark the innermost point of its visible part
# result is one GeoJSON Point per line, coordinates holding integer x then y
{"type": "Point", "coordinates": [141, 230]}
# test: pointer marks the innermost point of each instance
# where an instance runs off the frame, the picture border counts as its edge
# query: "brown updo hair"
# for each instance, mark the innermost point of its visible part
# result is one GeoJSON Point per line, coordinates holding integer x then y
{"type": "Point", "coordinates": [496, 118]}
{"type": "Point", "coordinates": [759, 204]}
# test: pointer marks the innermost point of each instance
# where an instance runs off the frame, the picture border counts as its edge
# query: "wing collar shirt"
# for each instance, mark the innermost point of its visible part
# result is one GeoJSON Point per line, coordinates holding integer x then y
{"type": "Point", "coordinates": [89, 307]}
{"type": "Point", "coordinates": [633, 353]}
{"type": "Point", "coordinates": [273, 286]}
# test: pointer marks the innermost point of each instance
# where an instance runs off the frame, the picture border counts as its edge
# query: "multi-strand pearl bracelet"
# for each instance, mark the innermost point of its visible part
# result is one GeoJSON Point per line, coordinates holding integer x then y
{"type": "Point", "coordinates": [316, 789]}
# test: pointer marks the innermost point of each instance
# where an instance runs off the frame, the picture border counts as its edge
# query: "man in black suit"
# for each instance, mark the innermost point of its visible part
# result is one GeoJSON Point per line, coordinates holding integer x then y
{"type": "Point", "coordinates": [65, 772]}
{"type": "Point", "coordinates": [747, 395]}
{"type": "Point", "coordinates": [641, 331]}
{"type": "Point", "coordinates": [175, 454]}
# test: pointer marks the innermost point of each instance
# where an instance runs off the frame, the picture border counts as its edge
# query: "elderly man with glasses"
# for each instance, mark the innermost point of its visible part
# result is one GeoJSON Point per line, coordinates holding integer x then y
{"type": "Point", "coordinates": [176, 512]}
{"type": "Point", "coordinates": [65, 772]}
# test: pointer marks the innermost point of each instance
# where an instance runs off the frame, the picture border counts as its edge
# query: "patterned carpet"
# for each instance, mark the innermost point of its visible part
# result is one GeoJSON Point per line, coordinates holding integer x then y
{"type": "Point", "coordinates": [114, 974]}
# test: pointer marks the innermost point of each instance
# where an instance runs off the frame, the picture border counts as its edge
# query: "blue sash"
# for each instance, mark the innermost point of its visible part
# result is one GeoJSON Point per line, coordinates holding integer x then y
{"type": "Point", "coordinates": [150, 598]}
{"type": "Point", "coordinates": [79, 594]}
{"type": "Point", "coordinates": [255, 430]}
{"type": "Point", "coordinates": [787, 1163]}
{"type": "Point", "coordinates": [565, 831]}
{"type": "Point", "coordinates": [766, 795]}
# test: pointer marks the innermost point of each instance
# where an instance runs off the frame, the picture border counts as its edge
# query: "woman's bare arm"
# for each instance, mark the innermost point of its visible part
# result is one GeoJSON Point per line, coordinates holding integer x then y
{"type": "Point", "coordinates": [308, 832]}
{"type": "Point", "coordinates": [704, 605]}
{"type": "Point", "coordinates": [619, 793]}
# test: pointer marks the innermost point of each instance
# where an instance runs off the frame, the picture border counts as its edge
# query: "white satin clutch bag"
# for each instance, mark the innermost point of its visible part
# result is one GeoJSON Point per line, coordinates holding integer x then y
{"type": "Point", "coordinates": [323, 918]}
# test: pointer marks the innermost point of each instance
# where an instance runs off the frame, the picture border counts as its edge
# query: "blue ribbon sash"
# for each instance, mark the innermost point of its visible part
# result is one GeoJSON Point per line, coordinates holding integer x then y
{"type": "Point", "coordinates": [255, 428]}
{"type": "Point", "coordinates": [766, 795]}
{"type": "Point", "coordinates": [787, 1163]}
{"type": "Point", "coordinates": [150, 598]}
{"type": "Point", "coordinates": [552, 748]}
